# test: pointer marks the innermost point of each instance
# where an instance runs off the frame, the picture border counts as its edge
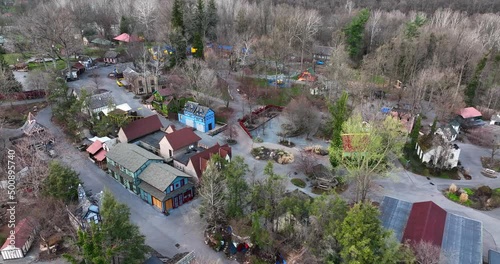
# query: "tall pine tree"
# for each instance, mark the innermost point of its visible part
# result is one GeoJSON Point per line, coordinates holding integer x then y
{"type": "Point", "coordinates": [339, 116]}
{"type": "Point", "coordinates": [212, 20]}
{"type": "Point", "coordinates": [177, 37]}
{"type": "Point", "coordinates": [8, 83]}
{"type": "Point", "coordinates": [199, 35]}
{"type": "Point", "coordinates": [414, 132]}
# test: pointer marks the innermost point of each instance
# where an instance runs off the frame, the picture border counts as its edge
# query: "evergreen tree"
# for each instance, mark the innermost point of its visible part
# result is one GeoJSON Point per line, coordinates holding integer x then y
{"type": "Point", "coordinates": [339, 116]}
{"type": "Point", "coordinates": [199, 34]}
{"type": "Point", "coordinates": [8, 83]}
{"type": "Point", "coordinates": [198, 45]}
{"type": "Point", "coordinates": [470, 90]}
{"type": "Point", "coordinates": [61, 183]}
{"type": "Point", "coordinates": [237, 187]}
{"type": "Point", "coordinates": [433, 126]}
{"type": "Point", "coordinates": [327, 214]}
{"type": "Point", "coordinates": [211, 21]}
{"type": "Point", "coordinates": [124, 25]}
{"type": "Point", "coordinates": [364, 240]}
{"type": "Point", "coordinates": [414, 132]}
{"type": "Point", "coordinates": [115, 238]}
{"type": "Point", "coordinates": [178, 16]}
{"type": "Point", "coordinates": [355, 34]}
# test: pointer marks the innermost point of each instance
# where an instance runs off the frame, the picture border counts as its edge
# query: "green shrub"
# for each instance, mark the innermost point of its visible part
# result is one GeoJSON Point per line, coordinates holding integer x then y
{"type": "Point", "coordinates": [299, 182]}
{"type": "Point", "coordinates": [469, 191]}
{"type": "Point", "coordinates": [454, 197]}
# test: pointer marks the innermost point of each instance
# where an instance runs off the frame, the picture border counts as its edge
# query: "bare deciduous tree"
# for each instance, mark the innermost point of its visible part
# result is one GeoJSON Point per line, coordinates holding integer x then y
{"type": "Point", "coordinates": [146, 14]}
{"type": "Point", "coordinates": [202, 80]}
{"type": "Point", "coordinates": [51, 29]}
{"type": "Point", "coordinates": [300, 120]}
{"type": "Point", "coordinates": [212, 191]}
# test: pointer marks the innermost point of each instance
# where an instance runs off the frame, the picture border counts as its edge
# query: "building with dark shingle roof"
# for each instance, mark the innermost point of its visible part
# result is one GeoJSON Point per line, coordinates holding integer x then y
{"type": "Point", "coordinates": [196, 116]}
{"type": "Point", "coordinates": [139, 128]}
{"type": "Point", "coordinates": [460, 238]}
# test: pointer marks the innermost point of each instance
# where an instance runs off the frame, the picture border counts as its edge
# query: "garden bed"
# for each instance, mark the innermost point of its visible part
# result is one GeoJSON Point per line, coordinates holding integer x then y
{"type": "Point", "coordinates": [482, 198]}
{"type": "Point", "coordinates": [318, 150]}
{"type": "Point", "coordinates": [299, 182]}
{"type": "Point", "coordinates": [278, 155]}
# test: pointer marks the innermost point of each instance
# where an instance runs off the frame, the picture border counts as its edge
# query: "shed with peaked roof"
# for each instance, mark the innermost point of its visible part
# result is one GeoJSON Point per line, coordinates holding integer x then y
{"type": "Point", "coordinates": [19, 240]}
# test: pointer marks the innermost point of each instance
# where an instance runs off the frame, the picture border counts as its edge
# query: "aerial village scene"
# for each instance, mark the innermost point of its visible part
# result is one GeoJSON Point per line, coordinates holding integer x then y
{"type": "Point", "coordinates": [250, 131]}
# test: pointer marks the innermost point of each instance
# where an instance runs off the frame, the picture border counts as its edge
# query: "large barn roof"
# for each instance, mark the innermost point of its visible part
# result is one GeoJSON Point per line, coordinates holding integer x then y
{"type": "Point", "coordinates": [460, 238]}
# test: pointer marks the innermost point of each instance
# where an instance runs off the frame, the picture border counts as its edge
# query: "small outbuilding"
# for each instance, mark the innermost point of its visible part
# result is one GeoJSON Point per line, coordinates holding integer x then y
{"type": "Point", "coordinates": [20, 240]}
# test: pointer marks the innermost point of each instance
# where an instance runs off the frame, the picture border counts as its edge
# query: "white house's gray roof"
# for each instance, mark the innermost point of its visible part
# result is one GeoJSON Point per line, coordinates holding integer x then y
{"type": "Point", "coordinates": [130, 156]}
{"type": "Point", "coordinates": [160, 175]}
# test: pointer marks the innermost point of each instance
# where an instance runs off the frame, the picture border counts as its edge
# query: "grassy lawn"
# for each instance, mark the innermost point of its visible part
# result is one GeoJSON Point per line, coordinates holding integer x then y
{"type": "Point", "coordinates": [60, 65]}
{"type": "Point", "coordinates": [298, 182]}
{"type": "Point", "coordinates": [282, 96]}
{"type": "Point", "coordinates": [11, 58]}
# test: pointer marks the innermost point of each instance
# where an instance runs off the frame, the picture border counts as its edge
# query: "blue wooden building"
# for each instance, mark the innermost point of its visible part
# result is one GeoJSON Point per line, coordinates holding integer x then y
{"type": "Point", "coordinates": [199, 117]}
{"type": "Point", "coordinates": [165, 187]}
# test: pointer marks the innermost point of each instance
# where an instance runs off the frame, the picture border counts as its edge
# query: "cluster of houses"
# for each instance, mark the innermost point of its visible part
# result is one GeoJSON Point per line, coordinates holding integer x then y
{"type": "Point", "coordinates": [161, 165]}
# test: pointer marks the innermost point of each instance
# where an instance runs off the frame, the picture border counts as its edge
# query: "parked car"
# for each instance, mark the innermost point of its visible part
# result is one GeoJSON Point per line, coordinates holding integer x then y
{"type": "Point", "coordinates": [489, 173]}
{"type": "Point", "coordinates": [82, 147]}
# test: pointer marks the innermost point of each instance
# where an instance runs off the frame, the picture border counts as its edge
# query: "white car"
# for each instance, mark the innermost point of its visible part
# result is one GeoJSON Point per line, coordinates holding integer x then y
{"type": "Point", "coordinates": [489, 173]}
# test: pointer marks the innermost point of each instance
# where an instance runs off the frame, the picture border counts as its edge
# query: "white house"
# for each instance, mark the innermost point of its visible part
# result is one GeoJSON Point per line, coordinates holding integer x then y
{"type": "Point", "coordinates": [495, 120]}
{"type": "Point", "coordinates": [438, 151]}
{"type": "Point", "coordinates": [19, 241]}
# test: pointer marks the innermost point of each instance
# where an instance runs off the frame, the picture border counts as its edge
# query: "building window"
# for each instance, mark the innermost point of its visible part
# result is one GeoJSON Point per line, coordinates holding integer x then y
{"type": "Point", "coordinates": [451, 156]}
{"type": "Point", "coordinates": [152, 82]}
{"type": "Point", "coordinates": [141, 90]}
{"type": "Point", "coordinates": [177, 185]}
{"type": "Point", "coordinates": [140, 82]}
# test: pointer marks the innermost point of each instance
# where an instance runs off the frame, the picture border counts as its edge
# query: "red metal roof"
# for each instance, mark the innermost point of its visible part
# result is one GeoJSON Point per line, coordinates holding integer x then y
{"type": "Point", "coordinates": [182, 138]}
{"type": "Point", "coordinates": [426, 222]}
{"type": "Point", "coordinates": [200, 160]}
{"type": "Point", "coordinates": [94, 147]}
{"type": "Point", "coordinates": [142, 127]}
{"type": "Point", "coordinates": [470, 112]}
{"type": "Point", "coordinates": [101, 155]}
{"type": "Point", "coordinates": [23, 230]}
